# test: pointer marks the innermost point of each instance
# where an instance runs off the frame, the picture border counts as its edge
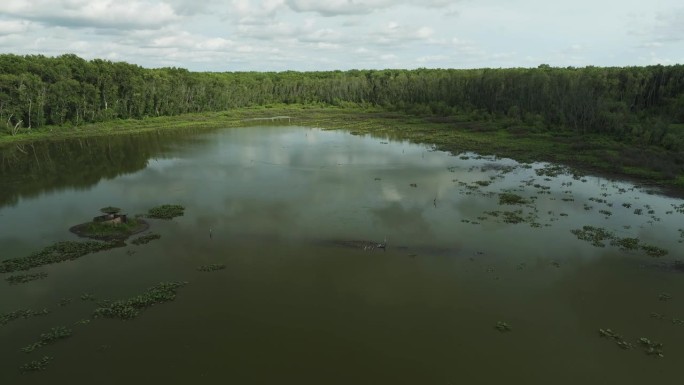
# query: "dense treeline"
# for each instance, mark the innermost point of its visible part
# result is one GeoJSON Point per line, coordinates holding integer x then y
{"type": "Point", "coordinates": [636, 103]}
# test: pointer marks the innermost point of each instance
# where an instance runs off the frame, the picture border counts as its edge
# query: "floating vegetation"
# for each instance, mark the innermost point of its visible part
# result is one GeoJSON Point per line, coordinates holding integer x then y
{"type": "Point", "coordinates": [87, 297]}
{"type": "Point", "coordinates": [605, 212]}
{"type": "Point", "coordinates": [483, 183]}
{"type": "Point", "coordinates": [678, 208]}
{"type": "Point", "coordinates": [626, 205]}
{"type": "Point", "coordinates": [145, 239]}
{"type": "Point", "coordinates": [25, 314]}
{"type": "Point", "coordinates": [664, 297]}
{"type": "Point", "coordinates": [166, 211]}
{"type": "Point", "coordinates": [24, 278]}
{"type": "Point", "coordinates": [595, 235]}
{"type": "Point", "coordinates": [651, 348]}
{"type": "Point", "coordinates": [619, 341]}
{"type": "Point", "coordinates": [552, 170]}
{"type": "Point", "coordinates": [54, 335]}
{"type": "Point", "coordinates": [212, 267]}
{"type": "Point", "coordinates": [413, 185]}
{"type": "Point", "coordinates": [654, 251]}
{"type": "Point", "coordinates": [638, 211]}
{"type": "Point", "coordinates": [130, 308]}
{"type": "Point", "coordinates": [503, 327]}
{"type": "Point", "coordinates": [511, 199]}
{"type": "Point", "coordinates": [36, 366]}
{"type": "Point", "coordinates": [59, 252]}
{"type": "Point", "coordinates": [64, 301]}
{"type": "Point", "coordinates": [626, 243]}
{"type": "Point", "coordinates": [106, 231]}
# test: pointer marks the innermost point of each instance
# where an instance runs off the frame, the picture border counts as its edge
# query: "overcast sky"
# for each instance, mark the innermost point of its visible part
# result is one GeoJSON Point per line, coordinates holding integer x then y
{"type": "Point", "coordinates": [277, 35]}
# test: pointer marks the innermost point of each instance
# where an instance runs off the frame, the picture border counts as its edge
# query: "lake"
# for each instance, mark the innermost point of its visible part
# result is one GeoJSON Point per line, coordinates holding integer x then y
{"type": "Point", "coordinates": [348, 260]}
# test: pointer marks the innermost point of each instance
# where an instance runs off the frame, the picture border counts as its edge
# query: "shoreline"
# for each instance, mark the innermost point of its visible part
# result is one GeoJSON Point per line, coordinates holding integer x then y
{"type": "Point", "coordinates": [646, 166]}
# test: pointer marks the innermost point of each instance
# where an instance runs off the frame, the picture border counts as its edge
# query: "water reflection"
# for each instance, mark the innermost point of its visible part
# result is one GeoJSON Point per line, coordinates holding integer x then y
{"type": "Point", "coordinates": [278, 200]}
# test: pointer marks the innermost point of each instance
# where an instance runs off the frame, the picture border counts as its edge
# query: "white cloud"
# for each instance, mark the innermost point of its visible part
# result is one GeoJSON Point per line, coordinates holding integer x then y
{"type": "Point", "coordinates": [10, 27]}
{"type": "Point", "coordinates": [93, 13]}
{"type": "Point", "coordinates": [225, 35]}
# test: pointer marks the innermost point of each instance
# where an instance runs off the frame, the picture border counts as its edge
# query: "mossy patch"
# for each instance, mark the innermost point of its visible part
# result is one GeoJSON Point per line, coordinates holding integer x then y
{"type": "Point", "coordinates": [166, 212]}
{"type": "Point", "coordinates": [58, 252]}
{"type": "Point", "coordinates": [130, 308]}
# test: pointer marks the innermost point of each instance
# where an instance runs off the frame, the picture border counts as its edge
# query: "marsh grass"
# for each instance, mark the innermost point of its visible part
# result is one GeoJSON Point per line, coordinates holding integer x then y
{"type": "Point", "coordinates": [36, 366]}
{"type": "Point", "coordinates": [127, 309]}
{"type": "Point", "coordinates": [166, 211]}
{"type": "Point", "coordinates": [58, 252]}
{"type": "Point", "coordinates": [21, 314]}
{"type": "Point", "coordinates": [25, 278]}
{"type": "Point", "coordinates": [145, 239]}
{"type": "Point", "coordinates": [211, 267]}
{"type": "Point", "coordinates": [54, 335]}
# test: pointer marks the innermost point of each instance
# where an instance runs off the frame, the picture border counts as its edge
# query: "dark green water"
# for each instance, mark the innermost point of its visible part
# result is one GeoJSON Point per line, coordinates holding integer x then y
{"type": "Point", "coordinates": [297, 306]}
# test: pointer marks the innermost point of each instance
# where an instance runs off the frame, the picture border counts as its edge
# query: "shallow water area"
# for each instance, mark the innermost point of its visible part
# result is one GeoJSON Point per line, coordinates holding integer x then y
{"type": "Point", "coordinates": [348, 259]}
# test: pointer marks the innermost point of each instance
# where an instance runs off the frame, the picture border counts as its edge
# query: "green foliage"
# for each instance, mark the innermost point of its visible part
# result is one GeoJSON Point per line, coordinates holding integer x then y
{"type": "Point", "coordinates": [637, 104]}
{"type": "Point", "coordinates": [130, 308]}
{"type": "Point", "coordinates": [166, 211]}
{"type": "Point", "coordinates": [36, 366]}
{"type": "Point", "coordinates": [58, 252]}
{"type": "Point", "coordinates": [511, 199]}
{"type": "Point", "coordinates": [211, 267]}
{"type": "Point", "coordinates": [25, 314]}
{"type": "Point", "coordinates": [147, 238]}
{"type": "Point", "coordinates": [24, 278]}
{"type": "Point", "coordinates": [54, 335]}
{"type": "Point", "coordinates": [110, 210]}
{"type": "Point", "coordinates": [110, 230]}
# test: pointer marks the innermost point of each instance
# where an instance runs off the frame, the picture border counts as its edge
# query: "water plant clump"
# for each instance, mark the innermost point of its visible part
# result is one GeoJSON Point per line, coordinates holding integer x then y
{"type": "Point", "coordinates": [651, 348]}
{"type": "Point", "coordinates": [108, 231]}
{"type": "Point", "coordinates": [145, 239]}
{"type": "Point", "coordinates": [619, 341]}
{"type": "Point", "coordinates": [25, 314]}
{"type": "Point", "coordinates": [58, 252]}
{"type": "Point", "coordinates": [211, 267]}
{"type": "Point", "coordinates": [130, 308]}
{"type": "Point", "coordinates": [503, 327]}
{"type": "Point", "coordinates": [166, 211]}
{"type": "Point", "coordinates": [36, 366]}
{"type": "Point", "coordinates": [54, 335]}
{"type": "Point", "coordinates": [511, 199]}
{"type": "Point", "coordinates": [595, 235]}
{"type": "Point", "coordinates": [654, 251]}
{"type": "Point", "coordinates": [626, 243]}
{"type": "Point", "coordinates": [24, 278]}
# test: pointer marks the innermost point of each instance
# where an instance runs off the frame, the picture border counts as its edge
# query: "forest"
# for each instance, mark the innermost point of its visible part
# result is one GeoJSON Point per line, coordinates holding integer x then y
{"type": "Point", "coordinates": [642, 105]}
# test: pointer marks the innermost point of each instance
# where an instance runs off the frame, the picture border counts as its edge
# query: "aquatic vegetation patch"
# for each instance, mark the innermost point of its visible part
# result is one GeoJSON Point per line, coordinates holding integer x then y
{"type": "Point", "coordinates": [211, 267]}
{"type": "Point", "coordinates": [145, 239]}
{"type": "Point", "coordinates": [54, 335]}
{"type": "Point", "coordinates": [36, 366]}
{"type": "Point", "coordinates": [130, 308]}
{"type": "Point", "coordinates": [595, 235]}
{"type": "Point", "coordinates": [166, 211]}
{"type": "Point", "coordinates": [512, 199]}
{"type": "Point", "coordinates": [24, 278]}
{"type": "Point", "coordinates": [108, 231]}
{"type": "Point", "coordinates": [619, 341]}
{"type": "Point", "coordinates": [552, 170]}
{"type": "Point", "coordinates": [626, 243]}
{"type": "Point", "coordinates": [17, 314]}
{"type": "Point", "coordinates": [651, 348]}
{"type": "Point", "coordinates": [58, 252]}
{"type": "Point", "coordinates": [654, 251]}
{"type": "Point", "coordinates": [503, 327]}
{"type": "Point", "coordinates": [678, 208]}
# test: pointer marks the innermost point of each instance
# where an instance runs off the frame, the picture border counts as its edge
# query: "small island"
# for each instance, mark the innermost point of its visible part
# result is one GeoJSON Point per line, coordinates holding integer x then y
{"type": "Point", "coordinates": [110, 226]}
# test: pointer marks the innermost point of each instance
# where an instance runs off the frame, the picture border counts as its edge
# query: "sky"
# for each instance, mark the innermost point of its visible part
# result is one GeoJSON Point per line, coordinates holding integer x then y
{"type": "Point", "coordinates": [308, 35]}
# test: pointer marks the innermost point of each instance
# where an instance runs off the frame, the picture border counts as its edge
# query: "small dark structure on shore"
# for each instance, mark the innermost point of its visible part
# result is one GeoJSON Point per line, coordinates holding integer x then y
{"type": "Point", "coordinates": [111, 216]}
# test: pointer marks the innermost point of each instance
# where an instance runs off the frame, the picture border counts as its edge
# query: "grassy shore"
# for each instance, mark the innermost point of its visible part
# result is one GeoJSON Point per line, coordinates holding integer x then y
{"type": "Point", "coordinates": [456, 134]}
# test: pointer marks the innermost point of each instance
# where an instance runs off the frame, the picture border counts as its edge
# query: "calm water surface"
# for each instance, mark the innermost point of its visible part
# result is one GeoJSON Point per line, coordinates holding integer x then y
{"type": "Point", "coordinates": [299, 302]}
